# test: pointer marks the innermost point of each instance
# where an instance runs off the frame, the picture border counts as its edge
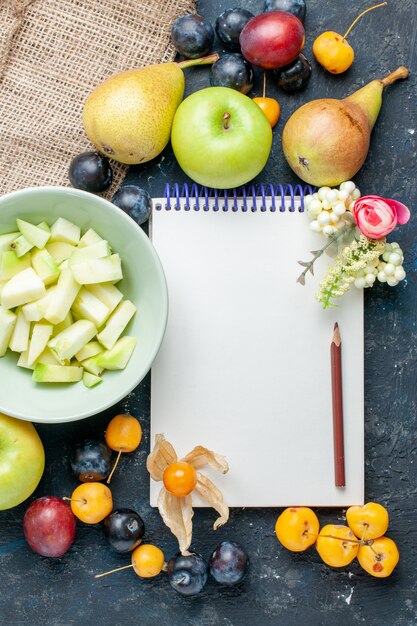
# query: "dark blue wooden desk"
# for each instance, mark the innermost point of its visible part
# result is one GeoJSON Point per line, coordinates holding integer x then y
{"type": "Point", "coordinates": [283, 589]}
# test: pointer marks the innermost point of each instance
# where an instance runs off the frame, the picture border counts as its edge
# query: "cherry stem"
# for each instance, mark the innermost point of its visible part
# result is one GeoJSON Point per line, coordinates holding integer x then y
{"type": "Point", "coordinates": [381, 4]}
{"type": "Point", "coordinates": [209, 60]}
{"type": "Point", "coordinates": [226, 120]}
{"type": "Point", "coordinates": [362, 542]}
{"type": "Point", "coordinates": [83, 501]}
{"type": "Point", "coordinates": [118, 569]}
{"type": "Point", "coordinates": [398, 74]}
{"type": "Point", "coordinates": [114, 466]}
{"type": "Point", "coordinates": [264, 89]}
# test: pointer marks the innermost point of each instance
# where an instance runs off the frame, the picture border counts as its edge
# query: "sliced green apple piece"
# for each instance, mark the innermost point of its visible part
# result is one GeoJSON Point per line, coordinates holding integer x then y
{"type": "Point", "coordinates": [22, 288]}
{"type": "Point", "coordinates": [108, 269]}
{"type": "Point", "coordinates": [48, 358]}
{"type": "Point", "coordinates": [35, 235]}
{"type": "Point", "coordinates": [90, 380]}
{"type": "Point", "coordinates": [72, 339]}
{"type": "Point", "coordinates": [87, 306]}
{"type": "Point", "coordinates": [107, 293]}
{"type": "Point", "coordinates": [35, 311]}
{"type": "Point", "coordinates": [118, 321]}
{"type": "Point", "coordinates": [21, 246]}
{"type": "Point", "coordinates": [91, 365]}
{"type": "Point", "coordinates": [90, 349]}
{"type": "Point", "coordinates": [23, 361]}
{"type": "Point", "coordinates": [45, 266]}
{"type": "Point", "coordinates": [66, 291]}
{"type": "Point", "coordinates": [46, 373]}
{"type": "Point", "coordinates": [60, 250]}
{"type": "Point", "coordinates": [19, 340]}
{"type": "Point", "coordinates": [10, 264]}
{"type": "Point", "coordinates": [63, 230]}
{"type": "Point", "coordinates": [7, 324]}
{"type": "Point", "coordinates": [95, 251]}
{"type": "Point", "coordinates": [66, 322]}
{"type": "Point", "coordinates": [6, 240]}
{"type": "Point", "coordinates": [118, 357]}
{"type": "Point", "coordinates": [44, 226]}
{"type": "Point", "coordinates": [89, 238]}
{"type": "Point", "coordinates": [40, 337]}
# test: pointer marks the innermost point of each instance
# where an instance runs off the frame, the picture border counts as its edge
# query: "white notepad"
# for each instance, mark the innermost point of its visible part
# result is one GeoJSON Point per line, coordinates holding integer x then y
{"type": "Point", "coordinates": [244, 368]}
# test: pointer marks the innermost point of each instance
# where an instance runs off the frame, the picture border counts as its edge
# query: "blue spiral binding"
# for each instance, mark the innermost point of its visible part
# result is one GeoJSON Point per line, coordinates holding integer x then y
{"type": "Point", "coordinates": [252, 198]}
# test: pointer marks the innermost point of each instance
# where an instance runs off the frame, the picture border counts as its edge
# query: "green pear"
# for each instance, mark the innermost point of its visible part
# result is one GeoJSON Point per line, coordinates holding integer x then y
{"type": "Point", "coordinates": [326, 141]}
{"type": "Point", "coordinates": [129, 116]}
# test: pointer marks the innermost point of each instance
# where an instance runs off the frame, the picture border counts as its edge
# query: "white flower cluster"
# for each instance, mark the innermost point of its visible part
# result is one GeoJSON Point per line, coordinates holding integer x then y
{"type": "Point", "coordinates": [329, 208]}
{"type": "Point", "coordinates": [387, 268]}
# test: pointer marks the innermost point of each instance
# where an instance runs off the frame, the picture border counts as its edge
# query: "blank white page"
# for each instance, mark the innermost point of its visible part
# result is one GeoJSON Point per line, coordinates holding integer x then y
{"type": "Point", "coordinates": [244, 368]}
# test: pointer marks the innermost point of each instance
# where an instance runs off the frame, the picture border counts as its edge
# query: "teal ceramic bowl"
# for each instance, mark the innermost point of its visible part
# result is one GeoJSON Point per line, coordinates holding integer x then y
{"type": "Point", "coordinates": [143, 283]}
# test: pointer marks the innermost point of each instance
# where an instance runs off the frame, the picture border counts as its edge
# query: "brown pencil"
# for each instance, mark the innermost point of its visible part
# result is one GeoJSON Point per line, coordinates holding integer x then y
{"type": "Point", "coordinates": [337, 397]}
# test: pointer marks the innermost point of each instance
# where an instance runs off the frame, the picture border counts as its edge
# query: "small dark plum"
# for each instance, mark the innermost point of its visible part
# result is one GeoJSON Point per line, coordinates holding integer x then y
{"type": "Point", "coordinates": [134, 201]}
{"type": "Point", "coordinates": [229, 25]}
{"type": "Point", "coordinates": [233, 71]}
{"type": "Point", "coordinates": [187, 574]}
{"type": "Point", "coordinates": [229, 563]}
{"type": "Point", "coordinates": [192, 36]}
{"type": "Point", "coordinates": [295, 76]}
{"type": "Point", "coordinates": [91, 461]}
{"type": "Point", "coordinates": [123, 529]}
{"type": "Point", "coordinates": [296, 7]}
{"type": "Point", "coordinates": [90, 171]}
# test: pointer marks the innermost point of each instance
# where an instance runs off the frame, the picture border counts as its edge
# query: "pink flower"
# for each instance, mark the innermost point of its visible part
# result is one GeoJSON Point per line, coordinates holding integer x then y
{"type": "Point", "coordinates": [376, 216]}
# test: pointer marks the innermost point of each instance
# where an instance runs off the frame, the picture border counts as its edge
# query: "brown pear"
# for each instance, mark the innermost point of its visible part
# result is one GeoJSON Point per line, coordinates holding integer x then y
{"type": "Point", "coordinates": [326, 141]}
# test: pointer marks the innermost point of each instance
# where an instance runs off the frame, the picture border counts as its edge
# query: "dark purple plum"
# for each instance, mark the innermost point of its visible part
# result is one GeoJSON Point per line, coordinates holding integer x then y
{"type": "Point", "coordinates": [123, 529]}
{"type": "Point", "coordinates": [233, 71]}
{"type": "Point", "coordinates": [187, 574]}
{"type": "Point", "coordinates": [296, 7]}
{"type": "Point", "coordinates": [192, 36]}
{"type": "Point", "coordinates": [229, 563]}
{"type": "Point", "coordinates": [229, 25]}
{"type": "Point", "coordinates": [91, 461]}
{"type": "Point", "coordinates": [90, 171]}
{"type": "Point", "coordinates": [134, 201]}
{"type": "Point", "coordinates": [295, 76]}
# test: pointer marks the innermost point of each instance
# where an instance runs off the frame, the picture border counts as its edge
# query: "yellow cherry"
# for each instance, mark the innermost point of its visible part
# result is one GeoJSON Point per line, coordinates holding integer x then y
{"type": "Point", "coordinates": [297, 528]}
{"type": "Point", "coordinates": [379, 557]}
{"type": "Point", "coordinates": [337, 545]}
{"type": "Point", "coordinates": [368, 521]}
{"type": "Point", "coordinates": [333, 51]}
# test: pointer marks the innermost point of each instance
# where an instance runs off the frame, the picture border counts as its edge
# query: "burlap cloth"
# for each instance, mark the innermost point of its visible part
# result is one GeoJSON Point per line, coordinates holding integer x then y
{"type": "Point", "coordinates": [52, 54]}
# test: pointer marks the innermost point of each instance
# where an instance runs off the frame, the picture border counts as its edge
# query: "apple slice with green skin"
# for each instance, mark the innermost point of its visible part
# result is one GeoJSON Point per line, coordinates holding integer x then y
{"type": "Point", "coordinates": [66, 291]}
{"type": "Point", "coordinates": [45, 266]}
{"type": "Point", "coordinates": [89, 238]}
{"type": "Point", "coordinates": [7, 324]}
{"type": "Point", "coordinates": [22, 288]}
{"type": "Point", "coordinates": [95, 251]}
{"type": "Point", "coordinates": [93, 271]}
{"type": "Point", "coordinates": [107, 293]}
{"type": "Point", "coordinates": [56, 373]}
{"type": "Point", "coordinates": [10, 264]}
{"type": "Point", "coordinates": [87, 306]}
{"type": "Point", "coordinates": [40, 337]}
{"type": "Point", "coordinates": [118, 357]}
{"type": "Point", "coordinates": [66, 231]}
{"type": "Point", "coordinates": [6, 240]}
{"type": "Point", "coordinates": [60, 250]}
{"type": "Point", "coordinates": [48, 358]}
{"type": "Point", "coordinates": [66, 322]}
{"type": "Point", "coordinates": [23, 361]}
{"type": "Point", "coordinates": [91, 365]}
{"type": "Point", "coordinates": [35, 235]}
{"type": "Point", "coordinates": [44, 226]}
{"type": "Point", "coordinates": [35, 311]}
{"type": "Point", "coordinates": [21, 246]}
{"type": "Point", "coordinates": [90, 349]}
{"type": "Point", "coordinates": [72, 339]}
{"type": "Point", "coordinates": [22, 461]}
{"type": "Point", "coordinates": [19, 340]}
{"type": "Point", "coordinates": [116, 324]}
{"type": "Point", "coordinates": [220, 137]}
{"type": "Point", "coordinates": [90, 380]}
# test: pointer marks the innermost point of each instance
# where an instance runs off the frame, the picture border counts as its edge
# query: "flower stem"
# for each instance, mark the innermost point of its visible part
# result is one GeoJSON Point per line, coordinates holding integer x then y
{"type": "Point", "coordinates": [317, 253]}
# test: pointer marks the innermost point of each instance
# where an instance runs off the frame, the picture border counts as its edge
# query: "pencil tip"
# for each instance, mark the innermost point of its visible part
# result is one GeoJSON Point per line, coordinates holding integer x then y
{"type": "Point", "coordinates": [336, 334]}
{"type": "Point", "coordinates": [336, 325]}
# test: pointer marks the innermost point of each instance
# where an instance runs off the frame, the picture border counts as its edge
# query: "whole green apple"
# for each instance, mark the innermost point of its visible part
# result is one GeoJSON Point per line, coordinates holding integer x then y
{"type": "Point", "coordinates": [22, 461]}
{"type": "Point", "coordinates": [220, 137]}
